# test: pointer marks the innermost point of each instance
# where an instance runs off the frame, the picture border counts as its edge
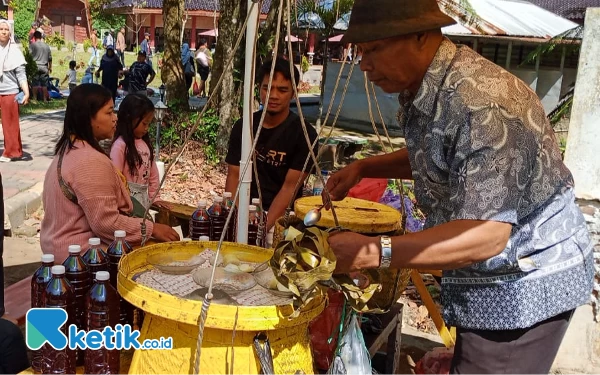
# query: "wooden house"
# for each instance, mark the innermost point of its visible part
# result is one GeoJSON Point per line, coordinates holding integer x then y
{"type": "Point", "coordinates": [70, 18]}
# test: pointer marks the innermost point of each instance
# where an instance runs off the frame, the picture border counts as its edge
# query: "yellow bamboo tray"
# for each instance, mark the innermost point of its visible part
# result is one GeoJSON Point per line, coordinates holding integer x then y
{"type": "Point", "coordinates": [227, 346]}
{"type": "Point", "coordinates": [355, 214]}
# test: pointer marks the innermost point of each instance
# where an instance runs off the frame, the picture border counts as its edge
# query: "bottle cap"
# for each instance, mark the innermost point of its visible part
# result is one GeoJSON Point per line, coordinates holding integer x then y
{"type": "Point", "coordinates": [120, 234]}
{"type": "Point", "coordinates": [324, 172]}
{"type": "Point", "coordinates": [292, 213]}
{"type": "Point", "coordinates": [58, 270]}
{"type": "Point", "coordinates": [48, 258]}
{"type": "Point", "coordinates": [256, 201]}
{"type": "Point", "coordinates": [227, 194]}
{"type": "Point", "coordinates": [252, 207]}
{"type": "Point", "coordinates": [202, 203]}
{"type": "Point", "coordinates": [74, 249]}
{"type": "Point", "coordinates": [203, 238]}
{"type": "Point", "coordinates": [94, 241]}
{"type": "Point", "coordinates": [102, 275]}
{"type": "Point", "coordinates": [218, 199]}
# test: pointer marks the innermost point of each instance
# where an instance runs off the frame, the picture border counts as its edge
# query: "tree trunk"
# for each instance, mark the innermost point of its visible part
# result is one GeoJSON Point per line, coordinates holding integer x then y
{"type": "Point", "coordinates": [172, 69]}
{"type": "Point", "coordinates": [228, 99]}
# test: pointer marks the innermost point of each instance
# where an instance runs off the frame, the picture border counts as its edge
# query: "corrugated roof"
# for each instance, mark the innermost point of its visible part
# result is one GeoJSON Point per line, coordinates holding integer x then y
{"type": "Point", "coordinates": [506, 17]}
{"type": "Point", "coordinates": [570, 9]}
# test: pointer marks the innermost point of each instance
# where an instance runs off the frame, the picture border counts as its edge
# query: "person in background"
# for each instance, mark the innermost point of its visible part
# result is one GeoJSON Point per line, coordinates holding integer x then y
{"type": "Point", "coordinates": [138, 75]}
{"type": "Point", "coordinates": [110, 38]}
{"type": "Point", "coordinates": [131, 151]}
{"type": "Point", "coordinates": [111, 68]}
{"type": "Point", "coordinates": [145, 47]}
{"type": "Point", "coordinates": [71, 75]}
{"type": "Point", "coordinates": [204, 60]}
{"type": "Point", "coordinates": [12, 78]}
{"type": "Point", "coordinates": [281, 150]}
{"type": "Point", "coordinates": [501, 218]}
{"type": "Point", "coordinates": [40, 52]}
{"type": "Point", "coordinates": [84, 195]}
{"type": "Point", "coordinates": [189, 69]}
{"type": "Point", "coordinates": [88, 75]}
{"type": "Point", "coordinates": [120, 47]}
{"type": "Point", "coordinates": [34, 27]}
{"type": "Point", "coordinates": [95, 50]}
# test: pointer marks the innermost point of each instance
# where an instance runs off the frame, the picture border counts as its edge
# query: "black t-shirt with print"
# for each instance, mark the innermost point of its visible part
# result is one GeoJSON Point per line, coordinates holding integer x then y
{"type": "Point", "coordinates": [138, 76]}
{"type": "Point", "coordinates": [278, 150]}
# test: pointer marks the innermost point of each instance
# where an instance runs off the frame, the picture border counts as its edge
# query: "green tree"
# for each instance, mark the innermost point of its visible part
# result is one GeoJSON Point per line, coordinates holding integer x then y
{"type": "Point", "coordinates": [172, 69]}
{"type": "Point", "coordinates": [24, 13]}
{"type": "Point", "coordinates": [228, 97]}
{"type": "Point", "coordinates": [329, 13]}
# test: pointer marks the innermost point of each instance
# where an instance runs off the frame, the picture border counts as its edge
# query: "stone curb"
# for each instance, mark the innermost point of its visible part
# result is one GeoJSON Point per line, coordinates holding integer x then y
{"type": "Point", "coordinates": [17, 208]}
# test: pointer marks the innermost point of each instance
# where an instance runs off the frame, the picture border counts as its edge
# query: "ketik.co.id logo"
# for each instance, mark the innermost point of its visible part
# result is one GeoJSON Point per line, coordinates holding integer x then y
{"type": "Point", "coordinates": [44, 326]}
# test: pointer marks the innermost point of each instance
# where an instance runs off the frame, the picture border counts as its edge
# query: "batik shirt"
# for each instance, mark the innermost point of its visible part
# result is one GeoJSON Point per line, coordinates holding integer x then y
{"type": "Point", "coordinates": [480, 148]}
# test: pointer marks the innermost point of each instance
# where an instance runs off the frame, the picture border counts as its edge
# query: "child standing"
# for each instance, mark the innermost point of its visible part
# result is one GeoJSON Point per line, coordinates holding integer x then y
{"type": "Point", "coordinates": [132, 152]}
{"type": "Point", "coordinates": [71, 76]}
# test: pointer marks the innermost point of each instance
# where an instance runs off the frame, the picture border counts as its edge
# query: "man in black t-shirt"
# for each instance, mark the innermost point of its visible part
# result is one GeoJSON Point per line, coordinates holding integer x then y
{"type": "Point", "coordinates": [138, 75]}
{"type": "Point", "coordinates": [281, 149]}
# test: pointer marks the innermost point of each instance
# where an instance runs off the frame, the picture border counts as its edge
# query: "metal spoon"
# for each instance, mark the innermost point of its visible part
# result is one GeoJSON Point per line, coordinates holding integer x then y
{"type": "Point", "coordinates": [313, 216]}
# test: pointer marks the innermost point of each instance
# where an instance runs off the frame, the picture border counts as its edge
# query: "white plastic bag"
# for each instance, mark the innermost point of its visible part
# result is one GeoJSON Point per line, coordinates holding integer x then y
{"type": "Point", "coordinates": [353, 351]}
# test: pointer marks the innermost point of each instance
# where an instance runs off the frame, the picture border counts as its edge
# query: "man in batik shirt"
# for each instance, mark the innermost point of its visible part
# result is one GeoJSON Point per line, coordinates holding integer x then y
{"type": "Point", "coordinates": [502, 222]}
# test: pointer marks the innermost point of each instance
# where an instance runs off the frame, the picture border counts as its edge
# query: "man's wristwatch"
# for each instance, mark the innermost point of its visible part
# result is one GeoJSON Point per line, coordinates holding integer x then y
{"type": "Point", "coordinates": [386, 252]}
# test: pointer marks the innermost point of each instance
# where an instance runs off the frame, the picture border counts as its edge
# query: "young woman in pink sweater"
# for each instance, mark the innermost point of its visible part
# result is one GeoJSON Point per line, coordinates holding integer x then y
{"type": "Point", "coordinates": [132, 152]}
{"type": "Point", "coordinates": [84, 195]}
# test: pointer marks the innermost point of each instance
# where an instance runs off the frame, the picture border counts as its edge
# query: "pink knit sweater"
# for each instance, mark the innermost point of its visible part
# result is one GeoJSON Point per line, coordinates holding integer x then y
{"type": "Point", "coordinates": [146, 174]}
{"type": "Point", "coordinates": [101, 197]}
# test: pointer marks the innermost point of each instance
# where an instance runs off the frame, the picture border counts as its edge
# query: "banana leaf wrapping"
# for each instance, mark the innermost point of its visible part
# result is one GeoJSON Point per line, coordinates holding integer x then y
{"type": "Point", "coordinates": [304, 263]}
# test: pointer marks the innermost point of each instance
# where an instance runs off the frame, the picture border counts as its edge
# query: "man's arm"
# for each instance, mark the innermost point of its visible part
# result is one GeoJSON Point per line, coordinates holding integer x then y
{"type": "Point", "coordinates": [152, 75]}
{"type": "Point", "coordinates": [456, 244]}
{"type": "Point", "coordinates": [233, 178]}
{"type": "Point", "coordinates": [393, 165]}
{"type": "Point", "coordinates": [282, 199]}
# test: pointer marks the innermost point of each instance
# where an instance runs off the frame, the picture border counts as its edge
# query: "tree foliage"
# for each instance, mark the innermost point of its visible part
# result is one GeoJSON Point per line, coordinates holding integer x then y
{"type": "Point", "coordinates": [102, 19]}
{"type": "Point", "coordinates": [24, 14]}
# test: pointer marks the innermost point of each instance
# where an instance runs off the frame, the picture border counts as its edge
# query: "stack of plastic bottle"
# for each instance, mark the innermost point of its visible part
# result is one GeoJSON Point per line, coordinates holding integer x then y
{"type": "Point", "coordinates": [78, 275]}
{"type": "Point", "coordinates": [103, 310]}
{"type": "Point", "coordinates": [200, 222]}
{"type": "Point", "coordinates": [218, 215]}
{"type": "Point", "coordinates": [95, 257]}
{"type": "Point", "coordinates": [59, 294]}
{"type": "Point", "coordinates": [89, 305]}
{"type": "Point", "coordinates": [39, 282]}
{"type": "Point", "coordinates": [115, 251]}
{"type": "Point", "coordinates": [253, 222]}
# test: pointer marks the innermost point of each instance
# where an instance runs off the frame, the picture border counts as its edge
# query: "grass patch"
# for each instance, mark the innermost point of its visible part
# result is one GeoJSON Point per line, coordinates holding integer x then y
{"type": "Point", "coordinates": [60, 66]}
{"type": "Point", "coordinates": [60, 63]}
{"type": "Point", "coordinates": [35, 107]}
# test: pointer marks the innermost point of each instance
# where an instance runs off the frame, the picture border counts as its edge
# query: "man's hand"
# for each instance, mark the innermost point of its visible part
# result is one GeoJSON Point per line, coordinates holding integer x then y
{"type": "Point", "coordinates": [355, 251]}
{"type": "Point", "coordinates": [341, 182]}
{"type": "Point", "coordinates": [164, 233]}
{"type": "Point", "coordinates": [25, 98]}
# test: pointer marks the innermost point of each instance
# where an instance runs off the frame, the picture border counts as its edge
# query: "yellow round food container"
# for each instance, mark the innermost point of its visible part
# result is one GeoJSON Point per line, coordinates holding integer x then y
{"type": "Point", "coordinates": [228, 337]}
{"type": "Point", "coordinates": [357, 215]}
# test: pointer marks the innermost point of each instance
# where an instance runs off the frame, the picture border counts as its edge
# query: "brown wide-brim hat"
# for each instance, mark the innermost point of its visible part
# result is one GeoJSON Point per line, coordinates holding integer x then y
{"type": "Point", "coordinates": [380, 19]}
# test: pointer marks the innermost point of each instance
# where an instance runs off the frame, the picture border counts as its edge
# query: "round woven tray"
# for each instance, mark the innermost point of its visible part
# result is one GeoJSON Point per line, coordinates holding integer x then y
{"type": "Point", "coordinates": [354, 214]}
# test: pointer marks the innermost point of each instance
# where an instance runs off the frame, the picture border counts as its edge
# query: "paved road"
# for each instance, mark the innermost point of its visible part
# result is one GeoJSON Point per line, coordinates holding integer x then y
{"type": "Point", "coordinates": [39, 135]}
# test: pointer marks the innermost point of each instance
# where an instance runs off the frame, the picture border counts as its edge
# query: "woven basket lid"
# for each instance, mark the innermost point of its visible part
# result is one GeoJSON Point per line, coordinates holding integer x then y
{"type": "Point", "coordinates": [355, 214]}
